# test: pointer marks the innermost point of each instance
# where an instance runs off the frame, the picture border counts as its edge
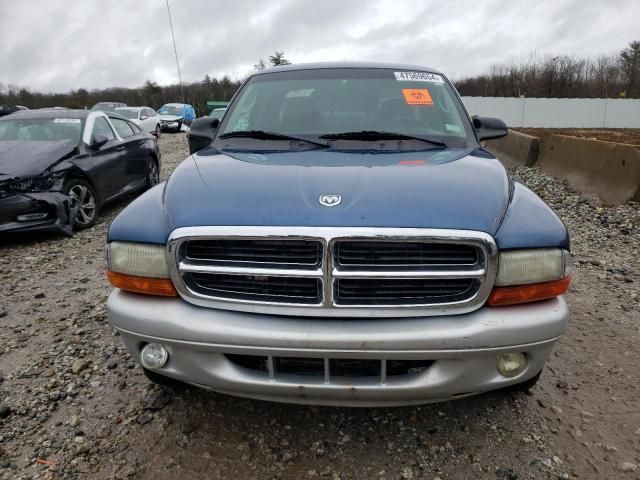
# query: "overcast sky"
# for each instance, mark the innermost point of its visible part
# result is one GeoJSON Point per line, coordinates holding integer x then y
{"type": "Point", "coordinates": [57, 45]}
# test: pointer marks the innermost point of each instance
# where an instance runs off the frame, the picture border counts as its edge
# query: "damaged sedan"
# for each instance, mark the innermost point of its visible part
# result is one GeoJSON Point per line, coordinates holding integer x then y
{"type": "Point", "coordinates": [59, 167]}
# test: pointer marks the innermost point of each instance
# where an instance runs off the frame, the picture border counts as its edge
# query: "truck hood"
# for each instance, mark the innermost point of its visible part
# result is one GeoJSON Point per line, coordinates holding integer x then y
{"type": "Point", "coordinates": [456, 189]}
{"type": "Point", "coordinates": [24, 158]}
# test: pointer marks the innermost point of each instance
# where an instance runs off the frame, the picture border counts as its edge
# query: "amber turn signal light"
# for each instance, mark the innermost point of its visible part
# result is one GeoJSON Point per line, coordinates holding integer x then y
{"type": "Point", "coordinates": [528, 293]}
{"type": "Point", "coordinates": [151, 286]}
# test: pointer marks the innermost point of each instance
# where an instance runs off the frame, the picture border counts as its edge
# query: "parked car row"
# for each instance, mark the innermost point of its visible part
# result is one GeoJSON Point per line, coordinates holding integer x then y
{"type": "Point", "coordinates": [170, 116]}
{"type": "Point", "coordinates": [146, 118]}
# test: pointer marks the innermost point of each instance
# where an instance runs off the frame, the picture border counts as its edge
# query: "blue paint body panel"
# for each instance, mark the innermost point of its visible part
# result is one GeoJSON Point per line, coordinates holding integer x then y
{"type": "Point", "coordinates": [451, 189]}
{"type": "Point", "coordinates": [457, 189]}
{"type": "Point", "coordinates": [143, 221]}
{"type": "Point", "coordinates": [530, 223]}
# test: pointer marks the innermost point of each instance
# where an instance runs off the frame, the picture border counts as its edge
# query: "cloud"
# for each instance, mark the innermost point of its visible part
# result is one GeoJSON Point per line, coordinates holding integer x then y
{"type": "Point", "coordinates": [70, 44]}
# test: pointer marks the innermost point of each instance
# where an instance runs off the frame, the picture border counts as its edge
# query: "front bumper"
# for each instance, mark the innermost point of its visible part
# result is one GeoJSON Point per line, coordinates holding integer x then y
{"type": "Point", "coordinates": [57, 206]}
{"type": "Point", "coordinates": [463, 349]}
{"type": "Point", "coordinates": [170, 124]}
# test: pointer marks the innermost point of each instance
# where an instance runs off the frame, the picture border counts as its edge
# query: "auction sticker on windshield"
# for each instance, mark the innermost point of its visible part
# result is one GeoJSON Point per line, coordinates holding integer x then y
{"type": "Point", "coordinates": [418, 77]}
{"type": "Point", "coordinates": [417, 96]}
{"type": "Point", "coordinates": [66, 120]}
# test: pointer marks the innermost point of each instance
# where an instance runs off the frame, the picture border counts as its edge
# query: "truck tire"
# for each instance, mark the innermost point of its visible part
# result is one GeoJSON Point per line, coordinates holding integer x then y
{"type": "Point", "coordinates": [153, 173]}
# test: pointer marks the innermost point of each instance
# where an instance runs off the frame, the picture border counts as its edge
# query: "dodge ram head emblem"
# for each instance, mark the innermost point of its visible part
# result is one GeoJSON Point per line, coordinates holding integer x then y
{"type": "Point", "coordinates": [330, 200]}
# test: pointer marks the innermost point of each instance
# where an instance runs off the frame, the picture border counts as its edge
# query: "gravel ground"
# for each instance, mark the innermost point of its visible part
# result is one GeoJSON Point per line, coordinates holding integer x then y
{"type": "Point", "coordinates": [74, 405]}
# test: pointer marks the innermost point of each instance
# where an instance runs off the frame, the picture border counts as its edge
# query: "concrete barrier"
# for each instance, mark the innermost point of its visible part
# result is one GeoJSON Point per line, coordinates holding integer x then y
{"type": "Point", "coordinates": [516, 149]}
{"type": "Point", "coordinates": [610, 170]}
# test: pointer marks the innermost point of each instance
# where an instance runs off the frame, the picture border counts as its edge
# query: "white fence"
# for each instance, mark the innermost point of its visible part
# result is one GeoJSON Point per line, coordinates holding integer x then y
{"type": "Point", "coordinates": [558, 112]}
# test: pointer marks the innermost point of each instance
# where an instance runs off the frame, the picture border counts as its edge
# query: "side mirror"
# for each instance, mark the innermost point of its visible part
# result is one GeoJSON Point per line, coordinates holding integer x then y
{"type": "Point", "coordinates": [488, 127]}
{"type": "Point", "coordinates": [143, 117]}
{"type": "Point", "coordinates": [99, 140]}
{"type": "Point", "coordinates": [201, 133]}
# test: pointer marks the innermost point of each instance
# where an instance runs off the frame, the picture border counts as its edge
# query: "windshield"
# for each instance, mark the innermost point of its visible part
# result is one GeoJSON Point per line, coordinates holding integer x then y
{"type": "Point", "coordinates": [170, 110]}
{"type": "Point", "coordinates": [324, 103]}
{"type": "Point", "coordinates": [127, 112]}
{"type": "Point", "coordinates": [41, 129]}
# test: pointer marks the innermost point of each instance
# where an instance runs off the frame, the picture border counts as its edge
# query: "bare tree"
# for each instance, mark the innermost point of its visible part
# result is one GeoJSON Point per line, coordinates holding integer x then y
{"type": "Point", "coordinates": [561, 76]}
{"type": "Point", "coordinates": [630, 67]}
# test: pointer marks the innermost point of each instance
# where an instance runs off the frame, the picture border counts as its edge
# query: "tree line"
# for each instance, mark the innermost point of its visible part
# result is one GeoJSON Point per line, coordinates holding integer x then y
{"type": "Point", "coordinates": [561, 76]}
{"type": "Point", "coordinates": [150, 94]}
{"type": "Point", "coordinates": [552, 76]}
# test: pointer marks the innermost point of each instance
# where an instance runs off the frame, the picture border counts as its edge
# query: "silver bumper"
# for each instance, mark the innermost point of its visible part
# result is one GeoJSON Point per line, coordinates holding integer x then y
{"type": "Point", "coordinates": [463, 348]}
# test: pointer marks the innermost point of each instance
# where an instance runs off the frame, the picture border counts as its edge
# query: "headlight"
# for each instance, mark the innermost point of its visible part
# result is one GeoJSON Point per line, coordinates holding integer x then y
{"type": "Point", "coordinates": [33, 184]}
{"type": "Point", "coordinates": [140, 259]}
{"type": "Point", "coordinates": [530, 276]}
{"type": "Point", "coordinates": [140, 268]}
{"type": "Point", "coordinates": [522, 267]}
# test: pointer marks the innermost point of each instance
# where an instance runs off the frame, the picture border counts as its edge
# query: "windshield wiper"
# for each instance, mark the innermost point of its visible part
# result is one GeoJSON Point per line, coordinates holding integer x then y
{"type": "Point", "coordinates": [262, 135]}
{"type": "Point", "coordinates": [372, 135]}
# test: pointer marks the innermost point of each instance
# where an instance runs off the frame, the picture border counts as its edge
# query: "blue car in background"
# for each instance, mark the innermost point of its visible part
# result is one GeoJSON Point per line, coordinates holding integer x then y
{"type": "Point", "coordinates": [173, 115]}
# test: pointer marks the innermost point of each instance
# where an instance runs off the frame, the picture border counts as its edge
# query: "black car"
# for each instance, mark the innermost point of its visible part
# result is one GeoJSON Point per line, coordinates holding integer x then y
{"type": "Point", "coordinates": [58, 167]}
{"type": "Point", "coordinates": [8, 109]}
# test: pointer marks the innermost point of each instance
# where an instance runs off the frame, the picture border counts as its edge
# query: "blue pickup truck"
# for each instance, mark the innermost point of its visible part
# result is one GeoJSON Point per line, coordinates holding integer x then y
{"type": "Point", "coordinates": [343, 239]}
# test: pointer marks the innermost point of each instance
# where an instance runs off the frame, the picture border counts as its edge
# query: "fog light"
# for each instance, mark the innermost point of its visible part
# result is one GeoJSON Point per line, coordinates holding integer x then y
{"type": "Point", "coordinates": [28, 217]}
{"type": "Point", "coordinates": [154, 355]}
{"type": "Point", "coordinates": [511, 364]}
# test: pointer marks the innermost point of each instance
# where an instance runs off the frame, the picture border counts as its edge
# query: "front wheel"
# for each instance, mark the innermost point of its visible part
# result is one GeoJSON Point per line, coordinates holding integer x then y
{"type": "Point", "coordinates": [153, 173]}
{"type": "Point", "coordinates": [158, 131]}
{"type": "Point", "coordinates": [179, 129]}
{"type": "Point", "coordinates": [83, 196]}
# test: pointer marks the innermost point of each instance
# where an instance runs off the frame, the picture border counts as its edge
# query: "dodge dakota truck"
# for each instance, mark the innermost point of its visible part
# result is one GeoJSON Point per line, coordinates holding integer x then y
{"type": "Point", "coordinates": [341, 237]}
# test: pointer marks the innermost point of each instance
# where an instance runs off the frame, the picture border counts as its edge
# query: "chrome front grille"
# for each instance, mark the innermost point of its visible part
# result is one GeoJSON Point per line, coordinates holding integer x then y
{"type": "Point", "coordinates": [337, 272]}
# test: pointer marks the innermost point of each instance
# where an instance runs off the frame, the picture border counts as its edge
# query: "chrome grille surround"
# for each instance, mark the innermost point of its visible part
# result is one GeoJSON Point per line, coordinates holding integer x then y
{"type": "Point", "coordinates": [484, 271]}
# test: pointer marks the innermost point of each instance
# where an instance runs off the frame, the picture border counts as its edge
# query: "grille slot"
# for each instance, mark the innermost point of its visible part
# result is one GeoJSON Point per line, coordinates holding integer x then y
{"type": "Point", "coordinates": [279, 253]}
{"type": "Point", "coordinates": [377, 254]}
{"type": "Point", "coordinates": [328, 370]}
{"type": "Point", "coordinates": [258, 288]}
{"type": "Point", "coordinates": [406, 291]}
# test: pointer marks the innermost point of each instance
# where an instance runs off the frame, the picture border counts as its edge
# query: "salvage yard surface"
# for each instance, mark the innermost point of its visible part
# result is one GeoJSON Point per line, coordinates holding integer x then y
{"type": "Point", "coordinates": [629, 136]}
{"type": "Point", "coordinates": [74, 405]}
